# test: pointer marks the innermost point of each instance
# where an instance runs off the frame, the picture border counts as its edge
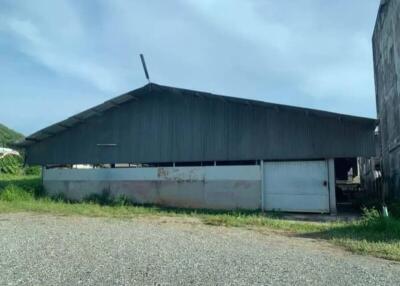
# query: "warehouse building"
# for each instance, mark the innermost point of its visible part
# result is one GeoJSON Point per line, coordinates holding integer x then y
{"type": "Point", "coordinates": [175, 147]}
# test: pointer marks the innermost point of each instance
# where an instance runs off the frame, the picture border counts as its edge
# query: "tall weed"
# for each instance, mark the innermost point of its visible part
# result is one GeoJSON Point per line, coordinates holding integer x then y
{"type": "Point", "coordinates": [14, 193]}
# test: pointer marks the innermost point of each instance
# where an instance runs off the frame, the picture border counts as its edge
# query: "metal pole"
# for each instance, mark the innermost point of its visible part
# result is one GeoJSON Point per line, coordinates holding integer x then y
{"type": "Point", "coordinates": [262, 184]}
{"type": "Point", "coordinates": [144, 67]}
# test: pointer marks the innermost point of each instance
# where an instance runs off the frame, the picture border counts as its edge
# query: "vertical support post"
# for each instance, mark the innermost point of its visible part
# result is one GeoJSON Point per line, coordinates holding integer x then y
{"type": "Point", "coordinates": [262, 184]}
{"type": "Point", "coordinates": [42, 175]}
{"type": "Point", "coordinates": [332, 186]}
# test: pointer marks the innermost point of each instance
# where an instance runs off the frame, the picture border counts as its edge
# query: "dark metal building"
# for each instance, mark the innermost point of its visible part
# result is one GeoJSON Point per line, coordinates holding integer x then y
{"type": "Point", "coordinates": [163, 124]}
{"type": "Point", "coordinates": [386, 51]}
{"type": "Point", "coordinates": [184, 148]}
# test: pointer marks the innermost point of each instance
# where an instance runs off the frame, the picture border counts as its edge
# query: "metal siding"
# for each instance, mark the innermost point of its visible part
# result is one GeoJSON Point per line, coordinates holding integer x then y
{"type": "Point", "coordinates": [167, 126]}
{"type": "Point", "coordinates": [386, 52]}
{"type": "Point", "coordinates": [296, 186]}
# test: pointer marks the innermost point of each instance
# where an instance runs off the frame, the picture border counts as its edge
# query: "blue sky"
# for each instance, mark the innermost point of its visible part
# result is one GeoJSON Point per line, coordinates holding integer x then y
{"type": "Point", "coordinates": [60, 57]}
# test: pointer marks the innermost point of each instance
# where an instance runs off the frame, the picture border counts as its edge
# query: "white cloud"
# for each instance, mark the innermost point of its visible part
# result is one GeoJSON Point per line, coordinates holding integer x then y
{"type": "Point", "coordinates": [241, 18]}
{"type": "Point", "coordinates": [314, 50]}
{"type": "Point", "coordinates": [51, 52]}
{"type": "Point", "coordinates": [313, 53]}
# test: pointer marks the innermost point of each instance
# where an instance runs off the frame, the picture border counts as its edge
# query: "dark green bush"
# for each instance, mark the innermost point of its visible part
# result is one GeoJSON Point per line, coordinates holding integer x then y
{"type": "Point", "coordinates": [370, 215]}
{"type": "Point", "coordinates": [105, 198]}
{"type": "Point", "coordinates": [33, 171]}
{"type": "Point", "coordinates": [394, 209]}
{"type": "Point", "coordinates": [11, 165]}
{"type": "Point", "coordinates": [102, 199]}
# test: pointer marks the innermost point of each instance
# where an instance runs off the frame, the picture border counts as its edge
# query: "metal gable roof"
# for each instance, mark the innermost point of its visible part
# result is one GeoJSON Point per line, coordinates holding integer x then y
{"type": "Point", "coordinates": [135, 94]}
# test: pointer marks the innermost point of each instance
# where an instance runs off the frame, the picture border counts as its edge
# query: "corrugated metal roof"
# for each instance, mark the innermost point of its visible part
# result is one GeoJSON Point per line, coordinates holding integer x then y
{"type": "Point", "coordinates": [135, 94]}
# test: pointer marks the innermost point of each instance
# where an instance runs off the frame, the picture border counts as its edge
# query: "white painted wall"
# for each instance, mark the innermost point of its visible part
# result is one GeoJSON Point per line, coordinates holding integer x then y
{"type": "Point", "coordinates": [208, 173]}
{"type": "Point", "coordinates": [211, 187]}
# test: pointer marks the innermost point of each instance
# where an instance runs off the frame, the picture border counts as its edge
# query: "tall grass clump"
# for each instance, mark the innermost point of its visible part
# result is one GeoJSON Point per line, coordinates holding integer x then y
{"type": "Point", "coordinates": [106, 199]}
{"type": "Point", "coordinates": [373, 234]}
{"type": "Point", "coordinates": [31, 184]}
{"type": "Point", "coordinates": [12, 193]}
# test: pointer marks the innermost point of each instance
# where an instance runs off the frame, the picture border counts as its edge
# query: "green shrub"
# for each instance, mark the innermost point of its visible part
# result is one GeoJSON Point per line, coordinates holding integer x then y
{"type": "Point", "coordinates": [373, 226]}
{"type": "Point", "coordinates": [11, 165]}
{"type": "Point", "coordinates": [122, 200]}
{"type": "Point", "coordinates": [394, 209]}
{"type": "Point", "coordinates": [61, 197]}
{"type": "Point", "coordinates": [370, 214]}
{"type": "Point", "coordinates": [106, 198]}
{"type": "Point", "coordinates": [33, 171]}
{"type": "Point", "coordinates": [15, 193]}
{"type": "Point", "coordinates": [102, 199]}
{"type": "Point", "coordinates": [372, 220]}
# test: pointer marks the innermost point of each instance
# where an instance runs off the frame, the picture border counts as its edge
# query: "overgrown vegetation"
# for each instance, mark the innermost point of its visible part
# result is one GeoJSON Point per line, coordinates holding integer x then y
{"type": "Point", "coordinates": [105, 199]}
{"type": "Point", "coordinates": [13, 193]}
{"type": "Point", "coordinates": [372, 234]}
{"type": "Point", "coordinates": [13, 164]}
{"type": "Point", "coordinates": [394, 209]}
{"type": "Point", "coordinates": [31, 184]}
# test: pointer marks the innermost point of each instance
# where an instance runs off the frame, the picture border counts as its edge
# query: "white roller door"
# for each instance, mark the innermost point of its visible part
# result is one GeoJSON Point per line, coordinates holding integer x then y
{"type": "Point", "coordinates": [299, 186]}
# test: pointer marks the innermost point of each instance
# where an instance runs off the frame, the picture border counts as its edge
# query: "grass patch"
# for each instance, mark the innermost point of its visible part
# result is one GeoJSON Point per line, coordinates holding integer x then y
{"type": "Point", "coordinates": [14, 193]}
{"type": "Point", "coordinates": [373, 234]}
{"type": "Point", "coordinates": [29, 183]}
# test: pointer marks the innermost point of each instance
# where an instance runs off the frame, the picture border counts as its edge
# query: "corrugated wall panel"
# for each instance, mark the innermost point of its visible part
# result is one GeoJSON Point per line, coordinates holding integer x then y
{"type": "Point", "coordinates": [165, 126]}
{"type": "Point", "coordinates": [386, 52]}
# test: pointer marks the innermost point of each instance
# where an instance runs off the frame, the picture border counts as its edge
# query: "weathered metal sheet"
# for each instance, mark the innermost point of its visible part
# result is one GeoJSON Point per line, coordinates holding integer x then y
{"type": "Point", "coordinates": [296, 186]}
{"type": "Point", "coordinates": [163, 124]}
{"type": "Point", "coordinates": [386, 52]}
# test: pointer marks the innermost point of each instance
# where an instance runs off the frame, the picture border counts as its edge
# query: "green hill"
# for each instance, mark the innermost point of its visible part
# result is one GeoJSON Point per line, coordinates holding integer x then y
{"type": "Point", "coordinates": [8, 136]}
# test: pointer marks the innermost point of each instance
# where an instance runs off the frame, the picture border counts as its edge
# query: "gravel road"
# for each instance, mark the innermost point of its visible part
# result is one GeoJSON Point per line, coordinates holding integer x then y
{"type": "Point", "coordinates": [50, 250]}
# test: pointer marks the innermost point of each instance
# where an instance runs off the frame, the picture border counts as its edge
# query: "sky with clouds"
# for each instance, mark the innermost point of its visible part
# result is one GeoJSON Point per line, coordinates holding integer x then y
{"type": "Point", "coordinates": [59, 57]}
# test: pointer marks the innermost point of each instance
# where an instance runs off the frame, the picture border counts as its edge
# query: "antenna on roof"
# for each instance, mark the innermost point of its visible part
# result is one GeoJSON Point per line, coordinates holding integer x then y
{"type": "Point", "coordinates": [144, 67]}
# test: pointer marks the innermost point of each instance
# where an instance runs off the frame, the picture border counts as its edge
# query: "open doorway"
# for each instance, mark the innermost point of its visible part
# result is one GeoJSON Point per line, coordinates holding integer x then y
{"type": "Point", "coordinates": [348, 185]}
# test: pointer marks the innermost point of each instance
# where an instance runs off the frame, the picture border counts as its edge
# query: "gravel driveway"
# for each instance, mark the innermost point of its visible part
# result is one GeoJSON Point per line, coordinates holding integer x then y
{"type": "Point", "coordinates": [49, 250]}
